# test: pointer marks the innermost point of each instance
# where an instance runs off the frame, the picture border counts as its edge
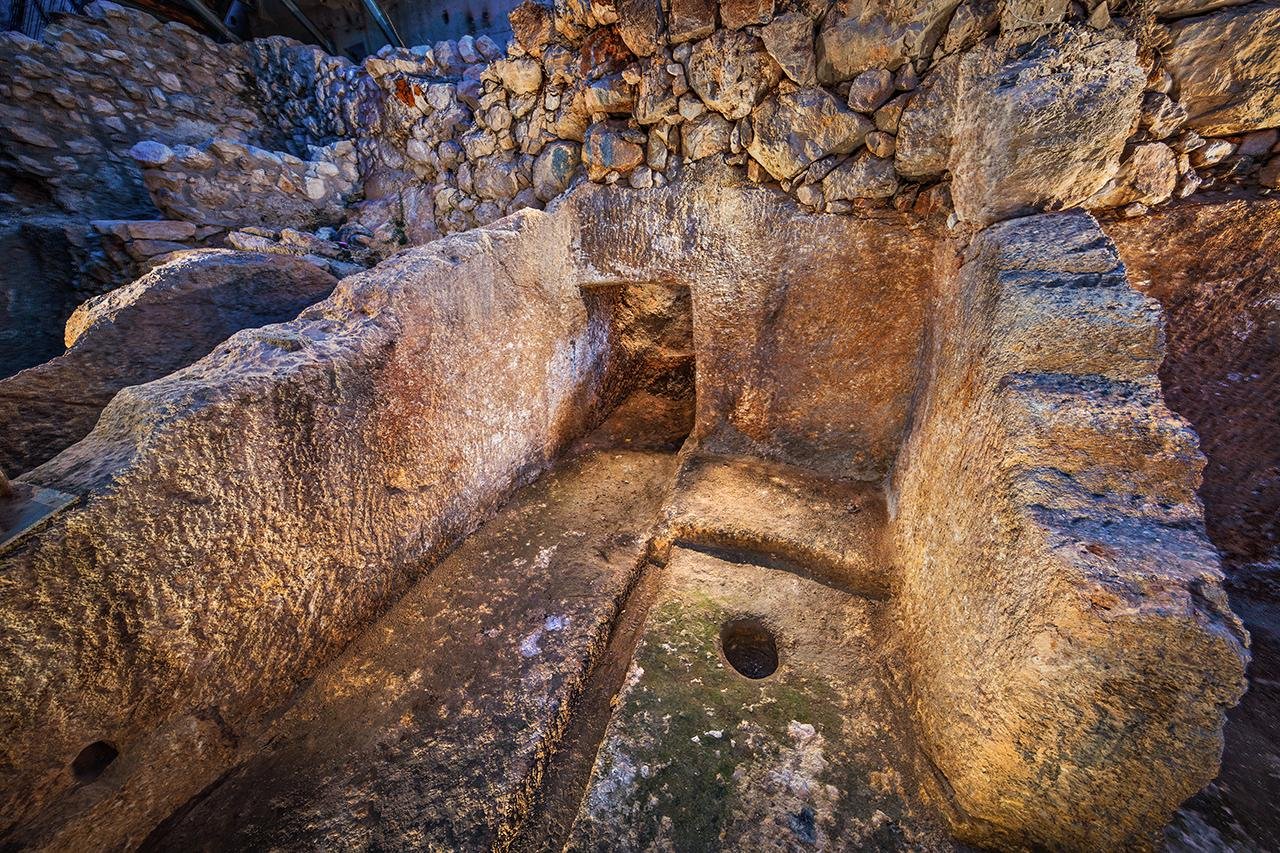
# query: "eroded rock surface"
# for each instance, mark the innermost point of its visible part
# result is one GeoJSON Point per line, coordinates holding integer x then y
{"type": "Point", "coordinates": [165, 320]}
{"type": "Point", "coordinates": [432, 730]}
{"type": "Point", "coordinates": [1044, 446]}
{"type": "Point", "coordinates": [814, 755]}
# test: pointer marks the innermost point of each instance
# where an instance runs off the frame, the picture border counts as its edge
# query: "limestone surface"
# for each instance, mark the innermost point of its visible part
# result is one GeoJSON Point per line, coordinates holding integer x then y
{"type": "Point", "coordinates": [1044, 447]}
{"type": "Point", "coordinates": [165, 320]}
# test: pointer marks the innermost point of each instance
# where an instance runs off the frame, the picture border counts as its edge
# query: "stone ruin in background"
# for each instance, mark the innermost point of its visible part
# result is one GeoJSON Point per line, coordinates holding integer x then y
{"type": "Point", "coordinates": [749, 425]}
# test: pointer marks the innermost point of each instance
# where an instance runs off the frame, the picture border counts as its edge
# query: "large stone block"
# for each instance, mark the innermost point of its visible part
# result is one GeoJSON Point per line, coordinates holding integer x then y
{"type": "Point", "coordinates": [1226, 67]}
{"type": "Point", "coordinates": [243, 518]}
{"type": "Point", "coordinates": [1024, 132]}
{"type": "Point", "coordinates": [731, 72]}
{"type": "Point", "coordinates": [165, 320]}
{"type": "Point", "coordinates": [793, 129]}
{"type": "Point", "coordinates": [1103, 650]}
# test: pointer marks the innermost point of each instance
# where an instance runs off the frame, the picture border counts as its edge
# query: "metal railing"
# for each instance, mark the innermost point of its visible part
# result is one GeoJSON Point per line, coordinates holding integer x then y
{"type": "Point", "coordinates": [30, 17]}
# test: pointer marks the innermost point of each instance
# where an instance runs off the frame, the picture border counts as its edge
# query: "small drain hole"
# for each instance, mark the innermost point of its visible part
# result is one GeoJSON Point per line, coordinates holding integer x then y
{"type": "Point", "coordinates": [749, 647]}
{"type": "Point", "coordinates": [92, 760]}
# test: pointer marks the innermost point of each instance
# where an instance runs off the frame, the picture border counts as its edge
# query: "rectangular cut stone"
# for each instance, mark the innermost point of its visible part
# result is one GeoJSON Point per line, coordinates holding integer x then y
{"type": "Point", "coordinates": [691, 19]}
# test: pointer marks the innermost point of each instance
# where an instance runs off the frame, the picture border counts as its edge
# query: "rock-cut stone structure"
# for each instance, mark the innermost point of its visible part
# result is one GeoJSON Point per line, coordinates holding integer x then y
{"type": "Point", "coordinates": [696, 425]}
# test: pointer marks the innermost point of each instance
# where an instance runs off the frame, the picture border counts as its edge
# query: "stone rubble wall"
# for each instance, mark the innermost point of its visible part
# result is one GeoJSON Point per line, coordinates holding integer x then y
{"type": "Point", "coordinates": [911, 108]}
{"type": "Point", "coordinates": [990, 110]}
{"type": "Point", "coordinates": [1067, 627]}
{"type": "Point", "coordinates": [227, 184]}
{"type": "Point", "coordinates": [73, 103]}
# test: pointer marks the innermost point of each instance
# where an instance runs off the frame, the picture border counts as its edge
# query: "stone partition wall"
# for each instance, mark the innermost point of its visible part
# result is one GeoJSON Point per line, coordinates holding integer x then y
{"type": "Point", "coordinates": [1214, 264]}
{"type": "Point", "coordinates": [1067, 628]}
{"type": "Point", "coordinates": [242, 519]}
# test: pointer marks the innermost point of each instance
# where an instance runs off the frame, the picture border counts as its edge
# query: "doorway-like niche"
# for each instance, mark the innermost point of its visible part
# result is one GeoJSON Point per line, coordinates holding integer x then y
{"type": "Point", "coordinates": [649, 383]}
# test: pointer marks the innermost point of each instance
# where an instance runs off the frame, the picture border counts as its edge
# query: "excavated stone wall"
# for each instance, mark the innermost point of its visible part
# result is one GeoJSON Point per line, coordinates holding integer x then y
{"type": "Point", "coordinates": [236, 523]}
{"type": "Point", "coordinates": [1212, 265]}
{"type": "Point", "coordinates": [74, 102]}
{"type": "Point", "coordinates": [1067, 625]}
{"type": "Point", "coordinates": [839, 109]}
{"type": "Point", "coordinates": [243, 518]}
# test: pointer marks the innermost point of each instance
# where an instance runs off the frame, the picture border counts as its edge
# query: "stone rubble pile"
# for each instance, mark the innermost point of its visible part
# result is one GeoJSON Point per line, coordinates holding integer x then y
{"type": "Point", "coordinates": [73, 103]}
{"type": "Point", "coordinates": [227, 183]}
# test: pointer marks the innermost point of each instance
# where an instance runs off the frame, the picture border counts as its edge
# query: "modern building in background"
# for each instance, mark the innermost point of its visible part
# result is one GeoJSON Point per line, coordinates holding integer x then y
{"type": "Point", "coordinates": [349, 26]}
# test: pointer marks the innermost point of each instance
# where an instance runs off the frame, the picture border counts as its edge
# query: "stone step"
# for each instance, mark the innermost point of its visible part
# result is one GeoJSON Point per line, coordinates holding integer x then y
{"type": "Point", "coordinates": [782, 515]}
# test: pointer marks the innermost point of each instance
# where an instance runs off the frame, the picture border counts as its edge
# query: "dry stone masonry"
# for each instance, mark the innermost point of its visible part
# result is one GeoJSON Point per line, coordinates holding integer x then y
{"type": "Point", "coordinates": [886, 344]}
{"type": "Point", "coordinates": [995, 111]}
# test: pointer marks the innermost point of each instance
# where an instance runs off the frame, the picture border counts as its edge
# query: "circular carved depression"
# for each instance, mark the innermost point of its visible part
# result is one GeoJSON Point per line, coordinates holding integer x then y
{"type": "Point", "coordinates": [92, 760]}
{"type": "Point", "coordinates": [749, 647]}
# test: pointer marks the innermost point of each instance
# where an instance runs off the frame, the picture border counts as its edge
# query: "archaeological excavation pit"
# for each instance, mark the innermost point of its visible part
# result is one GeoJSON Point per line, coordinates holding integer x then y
{"type": "Point", "coordinates": [650, 426]}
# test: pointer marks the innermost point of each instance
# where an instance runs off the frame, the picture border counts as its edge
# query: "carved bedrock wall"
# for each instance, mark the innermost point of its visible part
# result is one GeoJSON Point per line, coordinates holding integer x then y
{"type": "Point", "coordinates": [243, 518]}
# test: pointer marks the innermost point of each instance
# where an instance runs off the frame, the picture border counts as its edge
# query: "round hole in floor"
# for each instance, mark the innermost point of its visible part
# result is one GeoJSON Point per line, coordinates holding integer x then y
{"type": "Point", "coordinates": [92, 760]}
{"type": "Point", "coordinates": [749, 647]}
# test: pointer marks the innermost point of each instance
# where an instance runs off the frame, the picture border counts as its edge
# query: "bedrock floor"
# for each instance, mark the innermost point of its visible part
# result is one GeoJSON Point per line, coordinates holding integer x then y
{"type": "Point", "coordinates": [508, 701]}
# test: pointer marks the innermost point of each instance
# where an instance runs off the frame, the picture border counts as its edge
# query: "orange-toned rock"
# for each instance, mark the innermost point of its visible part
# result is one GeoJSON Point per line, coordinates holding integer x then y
{"type": "Point", "coordinates": [1102, 647]}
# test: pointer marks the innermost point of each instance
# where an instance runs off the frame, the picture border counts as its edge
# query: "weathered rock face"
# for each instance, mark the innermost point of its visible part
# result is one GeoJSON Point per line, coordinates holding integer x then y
{"type": "Point", "coordinates": [76, 101]}
{"type": "Point", "coordinates": [789, 40]}
{"type": "Point", "coordinates": [857, 35]}
{"type": "Point", "coordinates": [495, 668]}
{"type": "Point", "coordinates": [281, 427]}
{"type": "Point", "coordinates": [1212, 265]}
{"type": "Point", "coordinates": [166, 320]}
{"type": "Point", "coordinates": [1226, 67]}
{"type": "Point", "coordinates": [1018, 134]}
{"type": "Point", "coordinates": [1043, 446]}
{"type": "Point", "coordinates": [731, 71]}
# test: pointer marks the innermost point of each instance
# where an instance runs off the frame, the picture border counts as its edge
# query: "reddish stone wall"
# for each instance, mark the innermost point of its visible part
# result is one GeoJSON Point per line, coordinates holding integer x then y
{"type": "Point", "coordinates": [1215, 267]}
